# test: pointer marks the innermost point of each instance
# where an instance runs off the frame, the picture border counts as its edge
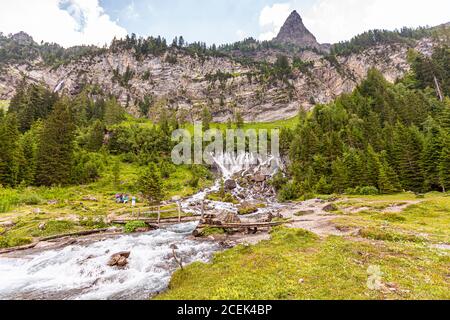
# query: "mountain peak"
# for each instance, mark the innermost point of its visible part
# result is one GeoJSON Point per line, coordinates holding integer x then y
{"type": "Point", "coordinates": [295, 32]}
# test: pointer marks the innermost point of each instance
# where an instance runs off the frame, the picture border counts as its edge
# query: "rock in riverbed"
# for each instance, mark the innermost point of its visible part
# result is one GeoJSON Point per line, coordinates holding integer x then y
{"type": "Point", "coordinates": [119, 259]}
{"type": "Point", "coordinates": [230, 184]}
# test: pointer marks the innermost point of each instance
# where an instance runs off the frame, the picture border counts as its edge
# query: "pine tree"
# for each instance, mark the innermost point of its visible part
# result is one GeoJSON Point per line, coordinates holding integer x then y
{"type": "Point", "coordinates": [444, 118]}
{"type": "Point", "coordinates": [55, 151]}
{"type": "Point", "coordinates": [444, 168]}
{"type": "Point", "coordinates": [114, 113]}
{"type": "Point", "coordinates": [96, 136]}
{"type": "Point", "coordinates": [10, 152]}
{"type": "Point", "coordinates": [206, 118]}
{"type": "Point", "coordinates": [431, 156]}
{"type": "Point", "coordinates": [151, 185]}
{"type": "Point", "coordinates": [339, 176]}
{"type": "Point", "coordinates": [239, 120]}
{"type": "Point", "coordinates": [408, 154]}
{"type": "Point", "coordinates": [373, 165]}
{"type": "Point", "coordinates": [29, 145]}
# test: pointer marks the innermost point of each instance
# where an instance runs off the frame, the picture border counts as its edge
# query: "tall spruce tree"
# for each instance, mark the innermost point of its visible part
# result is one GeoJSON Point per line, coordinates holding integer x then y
{"type": "Point", "coordinates": [10, 152]}
{"type": "Point", "coordinates": [29, 145]}
{"type": "Point", "coordinates": [431, 156]}
{"type": "Point", "coordinates": [408, 154]}
{"type": "Point", "coordinates": [56, 144]}
{"type": "Point", "coordinates": [444, 167]}
{"type": "Point", "coordinates": [151, 185]}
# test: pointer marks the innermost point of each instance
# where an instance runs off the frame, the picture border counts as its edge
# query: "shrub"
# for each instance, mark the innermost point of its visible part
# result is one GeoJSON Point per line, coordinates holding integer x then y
{"type": "Point", "coordinates": [230, 199]}
{"type": "Point", "coordinates": [30, 199]}
{"type": "Point", "coordinates": [9, 241]}
{"type": "Point", "coordinates": [247, 209]}
{"type": "Point", "coordinates": [58, 227]}
{"type": "Point", "coordinates": [288, 192]}
{"type": "Point", "coordinates": [384, 235]}
{"type": "Point", "coordinates": [208, 231]}
{"type": "Point", "coordinates": [363, 191]}
{"type": "Point", "coordinates": [132, 226]}
{"type": "Point", "coordinates": [93, 222]}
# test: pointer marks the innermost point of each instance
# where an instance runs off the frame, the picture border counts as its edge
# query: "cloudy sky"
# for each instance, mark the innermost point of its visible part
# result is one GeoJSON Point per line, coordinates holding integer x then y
{"type": "Point", "coordinates": [71, 22]}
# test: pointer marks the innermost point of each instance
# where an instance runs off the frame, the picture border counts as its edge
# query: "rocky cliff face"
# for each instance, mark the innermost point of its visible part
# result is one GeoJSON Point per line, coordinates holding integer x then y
{"type": "Point", "coordinates": [189, 84]}
{"type": "Point", "coordinates": [185, 83]}
{"type": "Point", "coordinates": [294, 32]}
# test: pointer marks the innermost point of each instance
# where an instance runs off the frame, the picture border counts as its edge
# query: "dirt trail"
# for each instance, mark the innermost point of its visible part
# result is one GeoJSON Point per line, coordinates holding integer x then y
{"type": "Point", "coordinates": [312, 216]}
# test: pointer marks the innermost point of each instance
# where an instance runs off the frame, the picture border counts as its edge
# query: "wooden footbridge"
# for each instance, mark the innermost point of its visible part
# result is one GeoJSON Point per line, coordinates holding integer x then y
{"type": "Point", "coordinates": [206, 220]}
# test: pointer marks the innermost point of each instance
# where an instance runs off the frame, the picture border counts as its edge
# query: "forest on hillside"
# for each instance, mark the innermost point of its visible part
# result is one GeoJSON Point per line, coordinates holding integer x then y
{"type": "Point", "coordinates": [382, 138]}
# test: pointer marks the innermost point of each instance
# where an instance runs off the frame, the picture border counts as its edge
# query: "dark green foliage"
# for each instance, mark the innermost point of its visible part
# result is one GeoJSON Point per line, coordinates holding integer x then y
{"type": "Point", "coordinates": [123, 78]}
{"type": "Point", "coordinates": [132, 226]}
{"type": "Point", "coordinates": [114, 112]}
{"type": "Point", "coordinates": [407, 153]}
{"type": "Point", "coordinates": [86, 167]}
{"type": "Point", "coordinates": [432, 72]}
{"type": "Point", "coordinates": [10, 152]}
{"type": "Point", "coordinates": [206, 118]}
{"type": "Point", "coordinates": [151, 186]}
{"type": "Point", "coordinates": [146, 144]}
{"type": "Point", "coordinates": [444, 167]}
{"type": "Point", "coordinates": [29, 145]}
{"type": "Point", "coordinates": [96, 136]}
{"type": "Point", "coordinates": [377, 37]}
{"type": "Point", "coordinates": [282, 67]}
{"type": "Point", "coordinates": [55, 152]}
{"type": "Point", "coordinates": [30, 103]}
{"type": "Point", "coordinates": [145, 105]}
{"type": "Point", "coordinates": [431, 155]}
{"type": "Point", "coordinates": [381, 136]}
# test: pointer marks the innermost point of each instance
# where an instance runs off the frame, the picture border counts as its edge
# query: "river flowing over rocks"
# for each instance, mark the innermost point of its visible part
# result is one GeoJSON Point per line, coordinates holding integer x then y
{"type": "Point", "coordinates": [82, 272]}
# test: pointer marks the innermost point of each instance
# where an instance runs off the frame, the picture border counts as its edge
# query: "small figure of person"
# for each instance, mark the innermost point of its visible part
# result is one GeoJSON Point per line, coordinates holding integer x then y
{"type": "Point", "coordinates": [133, 201]}
{"type": "Point", "coordinates": [126, 199]}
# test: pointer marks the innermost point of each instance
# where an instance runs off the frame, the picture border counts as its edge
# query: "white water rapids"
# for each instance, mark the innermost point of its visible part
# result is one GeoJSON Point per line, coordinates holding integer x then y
{"type": "Point", "coordinates": [81, 271]}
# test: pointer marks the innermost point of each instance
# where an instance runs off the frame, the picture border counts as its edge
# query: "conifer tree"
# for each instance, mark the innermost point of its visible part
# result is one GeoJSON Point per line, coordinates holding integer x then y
{"type": "Point", "coordinates": [408, 151]}
{"type": "Point", "coordinates": [339, 176]}
{"type": "Point", "coordinates": [114, 113]}
{"type": "Point", "coordinates": [55, 151]}
{"type": "Point", "coordinates": [206, 118]}
{"type": "Point", "coordinates": [29, 144]}
{"type": "Point", "coordinates": [444, 167]}
{"type": "Point", "coordinates": [151, 185]}
{"type": "Point", "coordinates": [387, 178]}
{"type": "Point", "coordinates": [431, 156]}
{"type": "Point", "coordinates": [10, 153]}
{"type": "Point", "coordinates": [96, 136]}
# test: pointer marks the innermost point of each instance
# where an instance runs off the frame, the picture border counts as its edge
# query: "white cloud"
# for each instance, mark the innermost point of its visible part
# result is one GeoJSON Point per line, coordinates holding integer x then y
{"type": "Point", "coordinates": [337, 20]}
{"type": "Point", "coordinates": [272, 19]}
{"type": "Point", "coordinates": [66, 22]}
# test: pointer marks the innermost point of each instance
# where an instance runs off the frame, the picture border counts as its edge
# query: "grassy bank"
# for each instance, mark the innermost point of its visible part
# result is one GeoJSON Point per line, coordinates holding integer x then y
{"type": "Point", "coordinates": [77, 208]}
{"type": "Point", "coordinates": [296, 264]}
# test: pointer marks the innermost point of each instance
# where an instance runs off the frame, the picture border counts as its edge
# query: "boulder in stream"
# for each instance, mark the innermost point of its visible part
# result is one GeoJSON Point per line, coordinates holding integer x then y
{"type": "Point", "coordinates": [230, 184]}
{"type": "Point", "coordinates": [259, 178]}
{"type": "Point", "coordinates": [119, 259]}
